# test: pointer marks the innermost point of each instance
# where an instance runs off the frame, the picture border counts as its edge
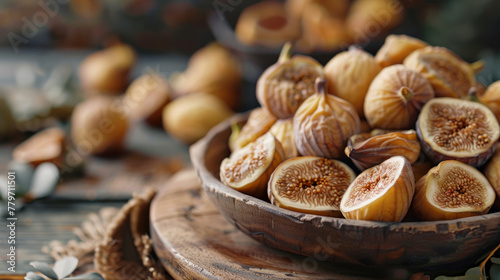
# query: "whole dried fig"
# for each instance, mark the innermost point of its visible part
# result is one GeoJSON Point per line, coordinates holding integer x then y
{"type": "Point", "coordinates": [396, 97]}
{"type": "Point", "coordinates": [492, 172]}
{"type": "Point", "coordinates": [146, 97]}
{"type": "Point", "coordinates": [381, 193]}
{"type": "Point", "coordinates": [396, 48]}
{"type": "Point", "coordinates": [283, 131]}
{"type": "Point", "coordinates": [190, 117]}
{"type": "Point", "coordinates": [452, 190]}
{"type": "Point", "coordinates": [310, 185]}
{"type": "Point", "coordinates": [323, 123]}
{"type": "Point", "coordinates": [491, 98]}
{"type": "Point", "coordinates": [451, 128]}
{"type": "Point", "coordinates": [258, 123]}
{"type": "Point", "coordinates": [337, 8]}
{"type": "Point", "coordinates": [200, 76]}
{"type": "Point", "coordinates": [266, 24]}
{"type": "Point", "coordinates": [107, 71]}
{"type": "Point", "coordinates": [249, 168]}
{"type": "Point", "coordinates": [370, 149]}
{"type": "Point", "coordinates": [421, 167]}
{"type": "Point", "coordinates": [46, 146]}
{"type": "Point", "coordinates": [99, 126]}
{"type": "Point", "coordinates": [349, 75]}
{"type": "Point", "coordinates": [286, 84]}
{"type": "Point", "coordinates": [448, 74]}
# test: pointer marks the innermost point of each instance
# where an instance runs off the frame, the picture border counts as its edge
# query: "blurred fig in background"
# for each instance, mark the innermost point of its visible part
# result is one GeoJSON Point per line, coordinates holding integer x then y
{"type": "Point", "coordinates": [107, 71]}
{"type": "Point", "coordinates": [46, 146]}
{"type": "Point", "coordinates": [266, 24]}
{"type": "Point", "coordinates": [368, 19]}
{"type": "Point", "coordinates": [335, 8]}
{"type": "Point", "coordinates": [213, 70]}
{"type": "Point", "coordinates": [99, 126]}
{"type": "Point", "coordinates": [188, 118]}
{"type": "Point", "coordinates": [146, 97]}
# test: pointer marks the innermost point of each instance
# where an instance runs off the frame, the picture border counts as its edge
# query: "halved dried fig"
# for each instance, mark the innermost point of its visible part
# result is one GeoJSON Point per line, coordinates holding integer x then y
{"type": "Point", "coordinates": [421, 167]}
{"type": "Point", "coordinates": [283, 131]}
{"type": "Point", "coordinates": [396, 48]}
{"type": "Point", "coordinates": [448, 74]}
{"type": "Point", "coordinates": [380, 193]}
{"type": "Point", "coordinates": [249, 168]}
{"type": "Point", "coordinates": [310, 185]}
{"type": "Point", "coordinates": [349, 75]}
{"type": "Point", "coordinates": [286, 84]}
{"type": "Point", "coordinates": [395, 98]}
{"type": "Point", "coordinates": [452, 190]}
{"type": "Point", "coordinates": [370, 149]}
{"type": "Point", "coordinates": [258, 123]}
{"type": "Point", "coordinates": [266, 24]}
{"type": "Point", "coordinates": [451, 128]}
{"type": "Point", "coordinates": [492, 172]}
{"type": "Point", "coordinates": [323, 123]}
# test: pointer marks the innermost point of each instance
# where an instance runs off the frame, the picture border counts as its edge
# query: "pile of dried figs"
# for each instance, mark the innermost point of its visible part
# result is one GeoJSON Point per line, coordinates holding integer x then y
{"type": "Point", "coordinates": [407, 134]}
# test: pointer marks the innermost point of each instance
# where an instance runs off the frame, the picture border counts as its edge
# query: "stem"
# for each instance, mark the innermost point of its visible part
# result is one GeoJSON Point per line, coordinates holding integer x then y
{"type": "Point", "coordinates": [286, 52]}
{"type": "Point", "coordinates": [483, 264]}
{"type": "Point", "coordinates": [477, 66]}
{"type": "Point", "coordinates": [320, 86]}
{"type": "Point", "coordinates": [406, 93]}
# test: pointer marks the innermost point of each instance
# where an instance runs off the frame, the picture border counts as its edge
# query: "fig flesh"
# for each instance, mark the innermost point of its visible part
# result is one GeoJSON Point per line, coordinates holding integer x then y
{"type": "Point", "coordinates": [310, 185]}
{"type": "Point", "coordinates": [381, 193]}
{"type": "Point", "coordinates": [451, 128]}
{"type": "Point", "coordinates": [249, 168]}
{"type": "Point", "coordinates": [452, 190]}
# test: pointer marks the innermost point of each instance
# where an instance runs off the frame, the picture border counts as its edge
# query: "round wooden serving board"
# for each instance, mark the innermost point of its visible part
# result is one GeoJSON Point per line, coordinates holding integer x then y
{"type": "Point", "coordinates": [194, 241]}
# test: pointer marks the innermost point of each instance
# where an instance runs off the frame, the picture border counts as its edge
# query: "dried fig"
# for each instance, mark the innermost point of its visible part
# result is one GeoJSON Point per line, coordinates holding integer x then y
{"type": "Point", "coordinates": [249, 168]}
{"type": "Point", "coordinates": [45, 146]}
{"type": "Point", "coordinates": [451, 128]}
{"type": "Point", "coordinates": [283, 131]}
{"type": "Point", "coordinates": [492, 172]}
{"type": "Point", "coordinates": [258, 123]}
{"type": "Point", "coordinates": [396, 48]}
{"type": "Point", "coordinates": [452, 190]}
{"type": "Point", "coordinates": [381, 193]}
{"type": "Point", "coordinates": [321, 30]}
{"type": "Point", "coordinates": [146, 97]}
{"type": "Point", "coordinates": [200, 76]}
{"type": "Point", "coordinates": [396, 97]}
{"type": "Point", "coordinates": [323, 123]}
{"type": "Point", "coordinates": [421, 167]}
{"type": "Point", "coordinates": [99, 126]}
{"type": "Point", "coordinates": [286, 84]}
{"type": "Point", "coordinates": [349, 75]}
{"type": "Point", "coordinates": [266, 24]}
{"type": "Point", "coordinates": [370, 149]}
{"type": "Point", "coordinates": [107, 71]}
{"type": "Point", "coordinates": [369, 18]}
{"type": "Point", "coordinates": [310, 185]}
{"type": "Point", "coordinates": [337, 8]}
{"type": "Point", "coordinates": [190, 117]}
{"type": "Point", "coordinates": [491, 98]}
{"type": "Point", "coordinates": [448, 74]}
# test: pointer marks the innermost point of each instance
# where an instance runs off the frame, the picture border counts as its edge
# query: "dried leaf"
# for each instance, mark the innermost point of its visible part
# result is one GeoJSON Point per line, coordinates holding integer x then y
{"type": "Point", "coordinates": [65, 266]}
{"type": "Point", "coordinates": [88, 276]}
{"type": "Point", "coordinates": [45, 269]}
{"type": "Point", "coordinates": [33, 276]}
{"type": "Point", "coordinates": [475, 271]}
{"type": "Point", "coordinates": [495, 260]}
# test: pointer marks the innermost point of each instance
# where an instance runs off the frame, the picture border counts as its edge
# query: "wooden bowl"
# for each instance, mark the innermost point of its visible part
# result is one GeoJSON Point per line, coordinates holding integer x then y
{"type": "Point", "coordinates": [450, 245]}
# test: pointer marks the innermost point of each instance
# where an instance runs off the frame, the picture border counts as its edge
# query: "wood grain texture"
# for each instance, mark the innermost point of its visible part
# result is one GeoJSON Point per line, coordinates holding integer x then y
{"type": "Point", "coordinates": [453, 244]}
{"type": "Point", "coordinates": [194, 241]}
